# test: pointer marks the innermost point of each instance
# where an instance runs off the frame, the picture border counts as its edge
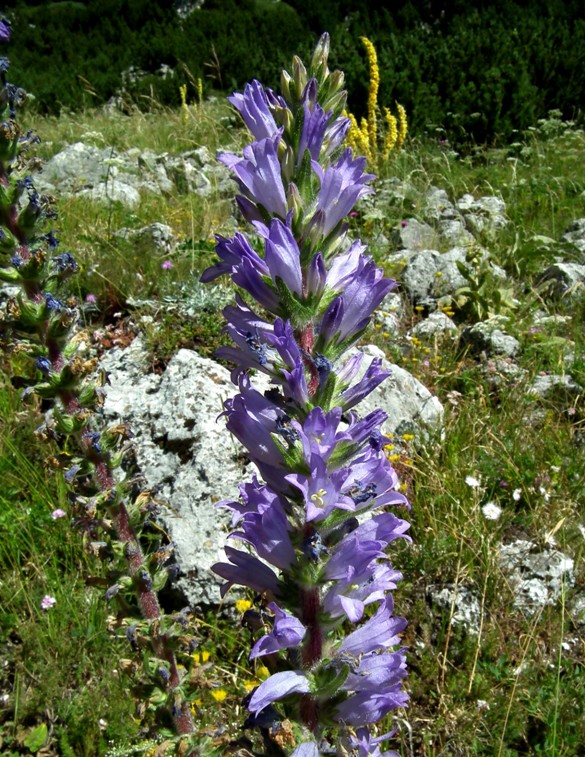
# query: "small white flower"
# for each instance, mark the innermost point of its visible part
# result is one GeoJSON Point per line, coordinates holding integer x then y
{"type": "Point", "coordinates": [481, 704]}
{"type": "Point", "coordinates": [472, 481]}
{"type": "Point", "coordinates": [545, 494]}
{"type": "Point", "coordinates": [516, 494]}
{"type": "Point", "coordinates": [491, 511]}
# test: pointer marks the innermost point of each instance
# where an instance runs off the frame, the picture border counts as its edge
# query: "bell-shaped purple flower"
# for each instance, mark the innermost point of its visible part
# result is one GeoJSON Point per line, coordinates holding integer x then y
{"type": "Point", "coordinates": [283, 257]}
{"type": "Point", "coordinates": [370, 706]}
{"type": "Point", "coordinates": [254, 108]}
{"type": "Point", "coordinates": [349, 314]}
{"type": "Point", "coordinates": [246, 570]}
{"type": "Point", "coordinates": [313, 132]}
{"type": "Point", "coordinates": [231, 253]}
{"type": "Point", "coordinates": [264, 525]}
{"type": "Point", "coordinates": [258, 174]}
{"type": "Point", "coordinates": [379, 632]}
{"type": "Point", "coordinates": [375, 672]}
{"type": "Point", "coordinates": [342, 185]}
{"type": "Point", "coordinates": [287, 631]}
{"type": "Point", "coordinates": [371, 379]}
{"type": "Point", "coordinates": [321, 489]}
{"type": "Point", "coordinates": [278, 686]}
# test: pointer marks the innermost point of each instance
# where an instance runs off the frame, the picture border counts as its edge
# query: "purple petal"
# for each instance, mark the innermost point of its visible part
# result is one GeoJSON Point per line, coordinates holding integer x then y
{"type": "Point", "coordinates": [254, 109]}
{"type": "Point", "coordinates": [287, 632]}
{"type": "Point", "coordinates": [278, 686]}
{"type": "Point", "coordinates": [246, 570]}
{"type": "Point", "coordinates": [283, 257]}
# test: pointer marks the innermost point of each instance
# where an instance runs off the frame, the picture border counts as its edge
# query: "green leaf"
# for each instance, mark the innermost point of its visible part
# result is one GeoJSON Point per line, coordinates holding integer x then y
{"type": "Point", "coordinates": [36, 738]}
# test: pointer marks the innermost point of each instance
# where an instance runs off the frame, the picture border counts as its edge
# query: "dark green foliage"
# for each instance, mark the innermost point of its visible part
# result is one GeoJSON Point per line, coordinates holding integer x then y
{"type": "Point", "coordinates": [479, 70]}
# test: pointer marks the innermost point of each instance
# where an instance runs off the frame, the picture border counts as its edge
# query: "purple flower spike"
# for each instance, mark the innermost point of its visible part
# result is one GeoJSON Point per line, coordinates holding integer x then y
{"type": "Point", "coordinates": [318, 514]}
{"type": "Point", "coordinates": [254, 109]}
{"type": "Point", "coordinates": [286, 632]}
{"type": "Point", "coordinates": [278, 686]}
{"type": "Point", "coordinates": [258, 174]}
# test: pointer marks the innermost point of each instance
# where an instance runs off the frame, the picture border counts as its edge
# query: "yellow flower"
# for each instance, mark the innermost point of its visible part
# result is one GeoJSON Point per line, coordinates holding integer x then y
{"type": "Point", "coordinates": [372, 90]}
{"type": "Point", "coordinates": [407, 437]}
{"type": "Point", "coordinates": [219, 694]}
{"type": "Point", "coordinates": [262, 672]}
{"type": "Point", "coordinates": [402, 125]}
{"type": "Point", "coordinates": [391, 137]}
{"type": "Point", "coordinates": [242, 605]}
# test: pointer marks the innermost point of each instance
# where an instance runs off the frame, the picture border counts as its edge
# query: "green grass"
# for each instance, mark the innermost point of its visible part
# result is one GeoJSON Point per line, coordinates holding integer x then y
{"type": "Point", "coordinates": [529, 669]}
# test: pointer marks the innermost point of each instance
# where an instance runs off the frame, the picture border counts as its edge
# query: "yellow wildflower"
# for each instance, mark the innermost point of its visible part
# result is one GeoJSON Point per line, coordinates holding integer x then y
{"type": "Point", "coordinates": [372, 91]}
{"type": "Point", "coordinates": [402, 125]}
{"type": "Point", "coordinates": [199, 90]}
{"type": "Point", "coordinates": [391, 138]}
{"type": "Point", "coordinates": [184, 106]}
{"type": "Point", "coordinates": [219, 694]}
{"type": "Point", "coordinates": [242, 605]}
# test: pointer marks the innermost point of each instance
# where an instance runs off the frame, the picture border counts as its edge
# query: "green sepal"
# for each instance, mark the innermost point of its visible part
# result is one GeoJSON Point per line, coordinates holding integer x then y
{"type": "Point", "coordinates": [292, 457]}
{"type": "Point", "coordinates": [87, 395]}
{"type": "Point", "coordinates": [342, 453]}
{"type": "Point", "coordinates": [31, 313]}
{"type": "Point", "coordinates": [159, 580]}
{"type": "Point", "coordinates": [10, 275]}
{"type": "Point", "coordinates": [297, 312]}
{"type": "Point", "coordinates": [66, 423]}
{"type": "Point", "coordinates": [323, 397]}
{"type": "Point", "coordinates": [328, 679]}
{"type": "Point", "coordinates": [60, 324]}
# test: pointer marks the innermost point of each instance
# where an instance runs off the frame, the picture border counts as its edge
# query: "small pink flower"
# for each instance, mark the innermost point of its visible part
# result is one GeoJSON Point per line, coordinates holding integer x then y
{"type": "Point", "coordinates": [58, 513]}
{"type": "Point", "coordinates": [167, 265]}
{"type": "Point", "coordinates": [91, 299]}
{"type": "Point", "coordinates": [47, 602]}
{"type": "Point", "coordinates": [404, 224]}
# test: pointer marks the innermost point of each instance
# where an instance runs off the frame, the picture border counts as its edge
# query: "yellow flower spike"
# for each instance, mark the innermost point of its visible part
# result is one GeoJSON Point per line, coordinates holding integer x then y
{"type": "Point", "coordinates": [372, 91]}
{"type": "Point", "coordinates": [219, 694]}
{"type": "Point", "coordinates": [199, 90]}
{"type": "Point", "coordinates": [184, 106]}
{"type": "Point", "coordinates": [402, 125]}
{"type": "Point", "coordinates": [391, 138]}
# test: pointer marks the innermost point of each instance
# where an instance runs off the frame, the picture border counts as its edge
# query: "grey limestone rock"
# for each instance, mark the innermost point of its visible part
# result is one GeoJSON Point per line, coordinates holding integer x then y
{"type": "Point", "coordinates": [415, 236]}
{"type": "Point", "coordinates": [485, 215]}
{"type": "Point", "coordinates": [461, 601]}
{"type": "Point", "coordinates": [157, 239]}
{"type": "Point", "coordinates": [563, 279]}
{"type": "Point", "coordinates": [575, 235]}
{"type": "Point", "coordinates": [437, 324]}
{"type": "Point", "coordinates": [555, 387]}
{"type": "Point", "coordinates": [183, 448]}
{"type": "Point", "coordinates": [536, 574]}
{"type": "Point", "coordinates": [429, 275]}
{"type": "Point", "coordinates": [487, 337]}
{"type": "Point", "coordinates": [411, 408]}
